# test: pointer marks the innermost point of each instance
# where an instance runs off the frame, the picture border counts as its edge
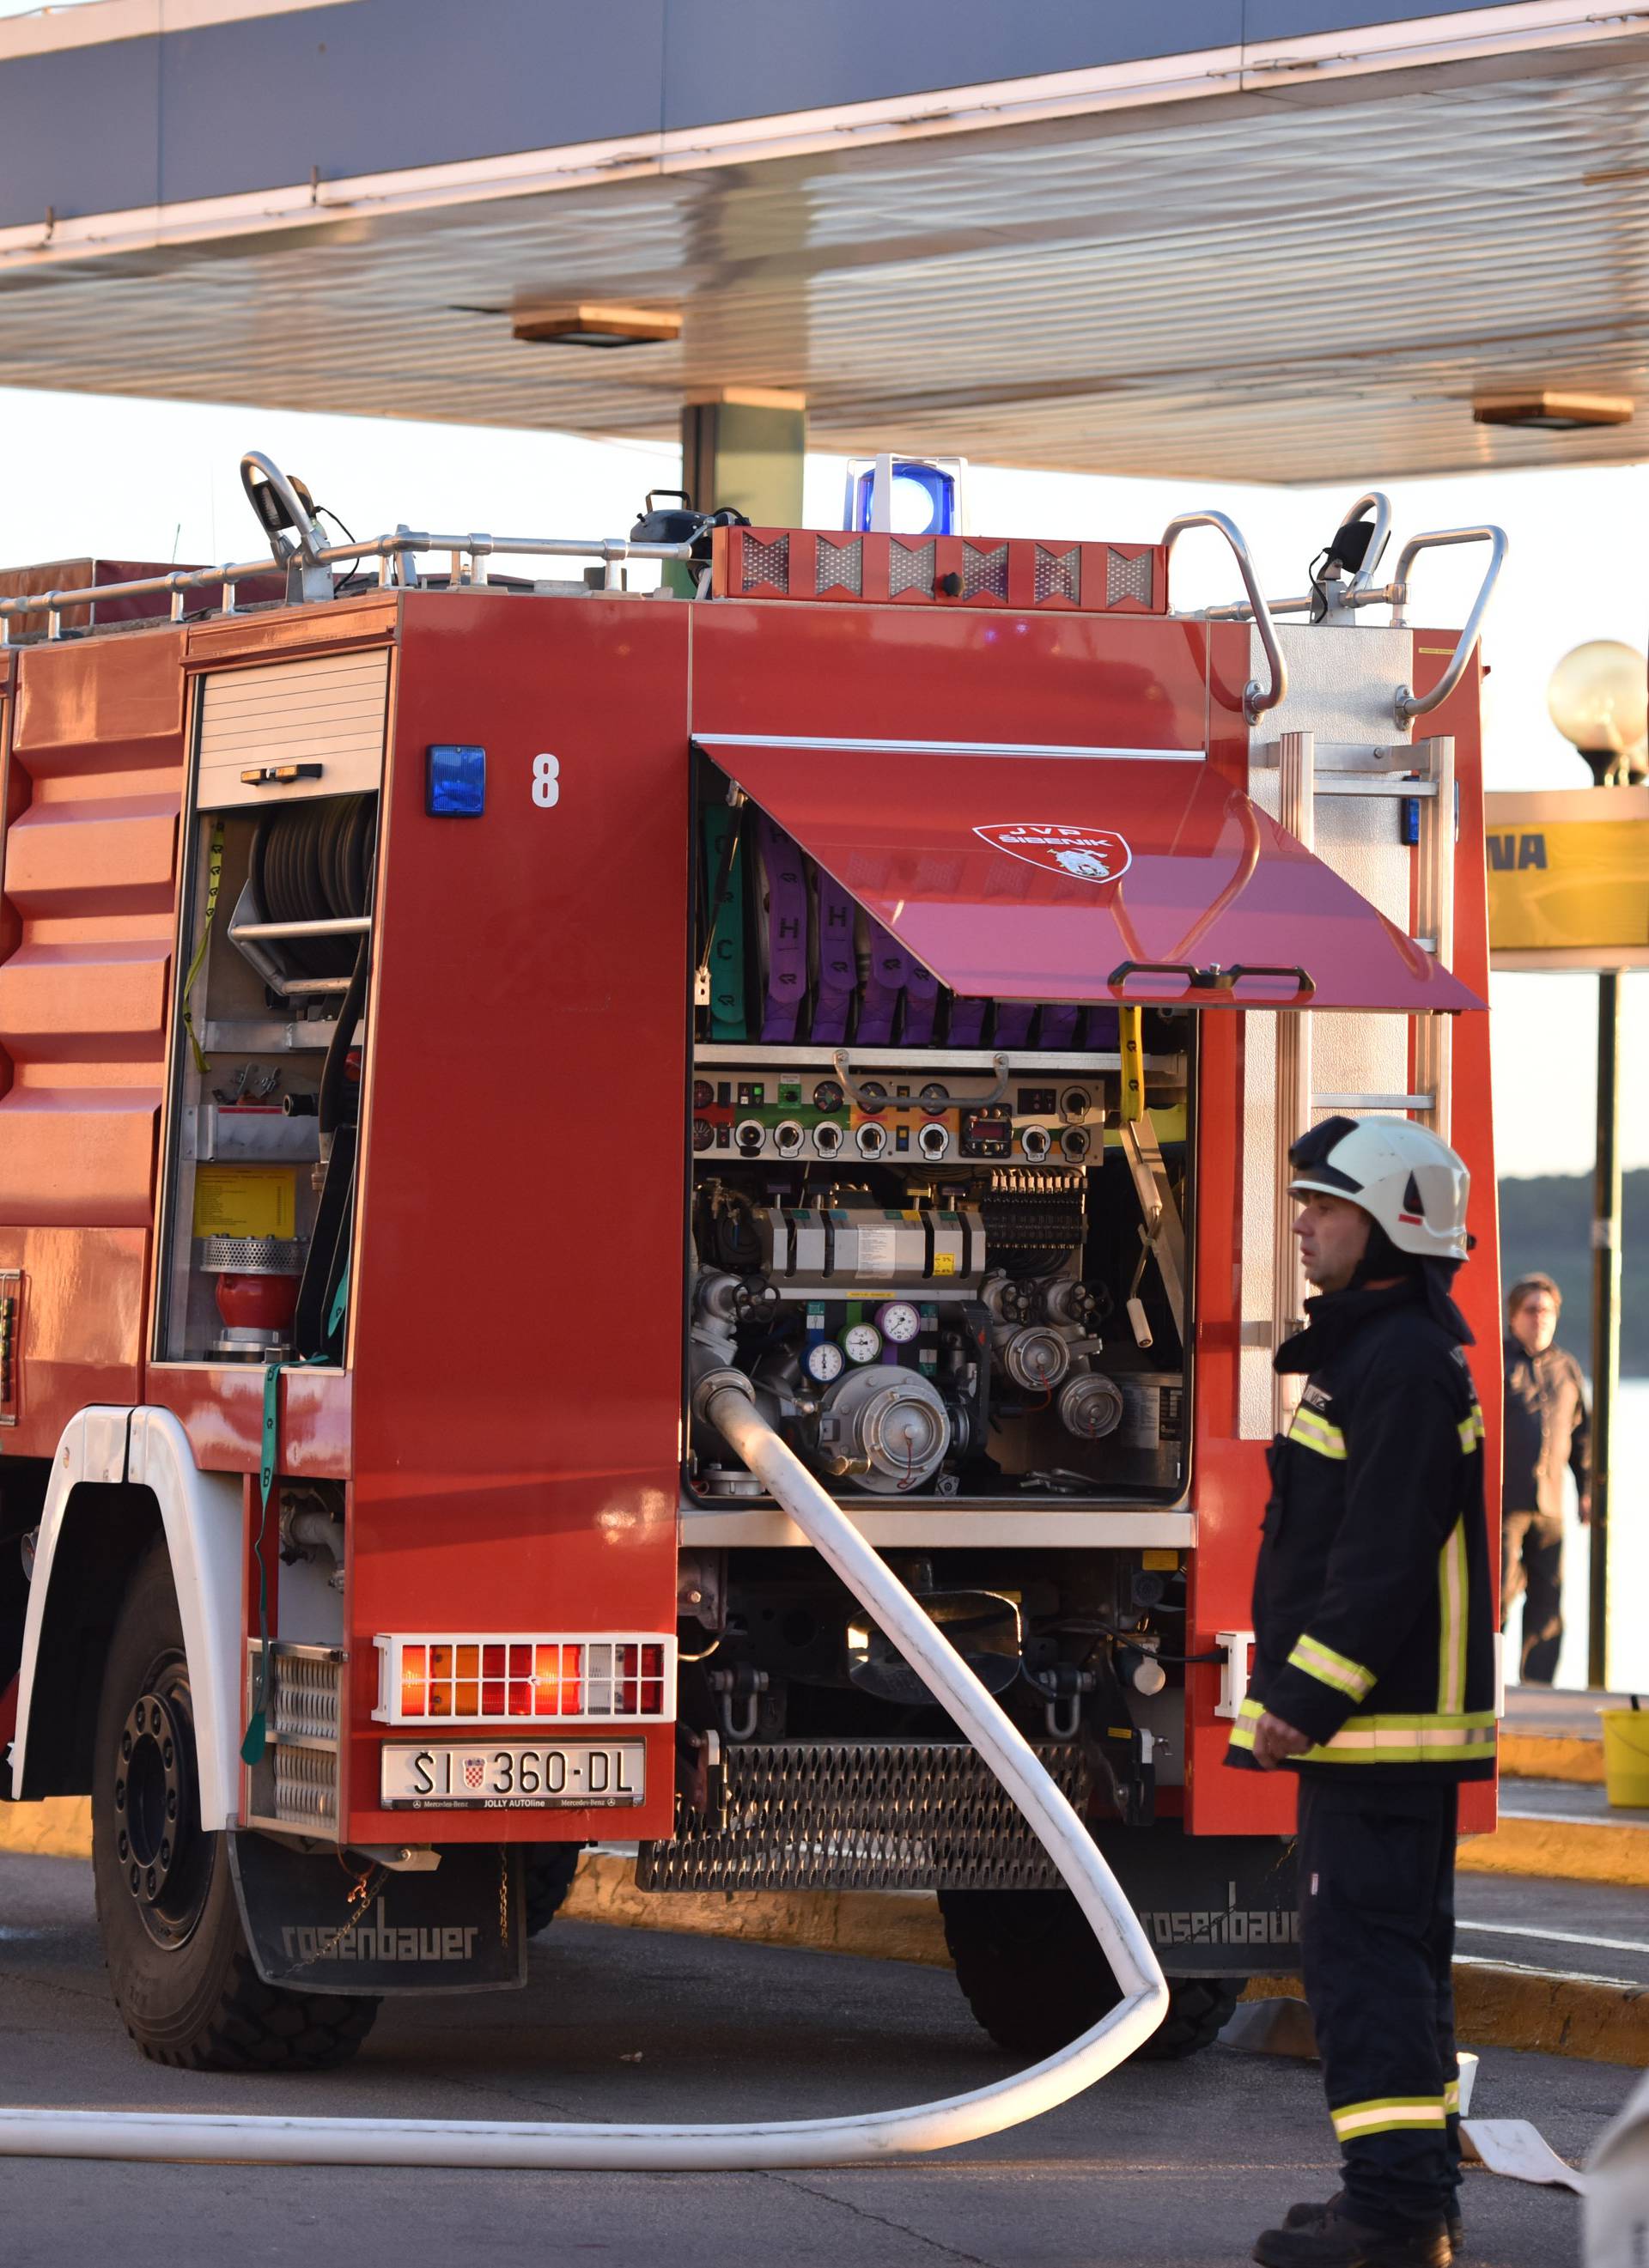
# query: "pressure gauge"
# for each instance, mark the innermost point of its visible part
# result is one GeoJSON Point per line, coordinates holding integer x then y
{"type": "Point", "coordinates": [861, 1342]}
{"type": "Point", "coordinates": [898, 1321]}
{"type": "Point", "coordinates": [823, 1361]}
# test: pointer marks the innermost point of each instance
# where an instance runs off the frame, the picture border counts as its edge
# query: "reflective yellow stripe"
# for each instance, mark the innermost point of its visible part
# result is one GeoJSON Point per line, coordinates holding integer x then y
{"type": "Point", "coordinates": [1436, 1738]}
{"type": "Point", "coordinates": [1451, 2098]}
{"type": "Point", "coordinates": [1471, 1429]}
{"type": "Point", "coordinates": [1432, 1745]}
{"type": "Point", "coordinates": [1387, 2115]}
{"type": "Point", "coordinates": [1331, 1669]}
{"type": "Point", "coordinates": [1452, 1616]}
{"type": "Point", "coordinates": [1314, 1433]}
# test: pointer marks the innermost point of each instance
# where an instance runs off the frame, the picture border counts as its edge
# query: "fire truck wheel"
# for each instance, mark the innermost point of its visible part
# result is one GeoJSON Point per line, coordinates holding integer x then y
{"type": "Point", "coordinates": [546, 1877]}
{"type": "Point", "coordinates": [182, 1976]}
{"type": "Point", "coordinates": [1034, 1975]}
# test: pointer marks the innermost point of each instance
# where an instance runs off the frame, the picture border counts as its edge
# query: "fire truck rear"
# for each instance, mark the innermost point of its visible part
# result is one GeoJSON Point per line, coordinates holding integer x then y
{"type": "Point", "coordinates": [457, 1025]}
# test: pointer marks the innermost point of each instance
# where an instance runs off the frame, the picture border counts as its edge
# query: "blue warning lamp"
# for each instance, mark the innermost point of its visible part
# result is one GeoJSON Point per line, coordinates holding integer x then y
{"type": "Point", "coordinates": [905, 496]}
{"type": "Point", "coordinates": [455, 785]}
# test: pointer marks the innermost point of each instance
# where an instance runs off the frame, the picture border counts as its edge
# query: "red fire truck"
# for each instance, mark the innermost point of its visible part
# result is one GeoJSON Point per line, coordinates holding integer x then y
{"type": "Point", "coordinates": [447, 1018]}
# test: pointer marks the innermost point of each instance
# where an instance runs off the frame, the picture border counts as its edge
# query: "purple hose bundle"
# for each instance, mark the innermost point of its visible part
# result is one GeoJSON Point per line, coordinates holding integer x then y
{"type": "Point", "coordinates": [785, 930]}
{"type": "Point", "coordinates": [838, 978]}
{"type": "Point", "coordinates": [884, 980]}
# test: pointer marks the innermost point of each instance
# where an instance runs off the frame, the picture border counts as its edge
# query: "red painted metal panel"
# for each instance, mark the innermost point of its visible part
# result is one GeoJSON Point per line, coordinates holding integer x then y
{"type": "Point", "coordinates": [81, 1328]}
{"type": "Point", "coordinates": [952, 673]}
{"type": "Point", "coordinates": [368, 620]}
{"type": "Point", "coordinates": [94, 782]}
{"type": "Point", "coordinates": [1229, 1482]}
{"type": "Point", "coordinates": [1036, 878]}
{"type": "Point", "coordinates": [517, 1327]}
{"type": "Point", "coordinates": [220, 1407]}
{"type": "Point", "coordinates": [101, 709]}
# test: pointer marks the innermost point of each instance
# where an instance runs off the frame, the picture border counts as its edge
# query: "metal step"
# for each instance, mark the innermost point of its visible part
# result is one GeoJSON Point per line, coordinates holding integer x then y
{"type": "Point", "coordinates": [862, 1815]}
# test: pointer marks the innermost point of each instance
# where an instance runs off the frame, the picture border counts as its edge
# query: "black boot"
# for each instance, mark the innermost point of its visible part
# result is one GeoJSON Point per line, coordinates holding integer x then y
{"type": "Point", "coordinates": [1331, 2240]}
{"type": "Point", "coordinates": [1307, 2216]}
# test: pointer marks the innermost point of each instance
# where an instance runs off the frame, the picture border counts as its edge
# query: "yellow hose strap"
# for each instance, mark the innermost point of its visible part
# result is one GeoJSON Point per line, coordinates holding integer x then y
{"type": "Point", "coordinates": [214, 877]}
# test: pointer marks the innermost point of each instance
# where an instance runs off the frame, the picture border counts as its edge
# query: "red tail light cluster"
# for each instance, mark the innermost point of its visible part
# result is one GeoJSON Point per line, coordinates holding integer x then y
{"type": "Point", "coordinates": [514, 1679]}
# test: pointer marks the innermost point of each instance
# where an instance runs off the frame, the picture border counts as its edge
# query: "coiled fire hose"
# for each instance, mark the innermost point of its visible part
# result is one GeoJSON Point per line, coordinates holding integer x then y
{"type": "Point", "coordinates": [724, 1399]}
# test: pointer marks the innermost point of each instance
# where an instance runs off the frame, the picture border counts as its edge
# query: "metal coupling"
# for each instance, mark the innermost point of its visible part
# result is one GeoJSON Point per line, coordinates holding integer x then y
{"type": "Point", "coordinates": [713, 1382]}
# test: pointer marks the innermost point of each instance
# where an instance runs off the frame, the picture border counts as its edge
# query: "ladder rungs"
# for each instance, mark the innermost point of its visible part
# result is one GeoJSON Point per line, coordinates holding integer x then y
{"type": "Point", "coordinates": [1373, 1102]}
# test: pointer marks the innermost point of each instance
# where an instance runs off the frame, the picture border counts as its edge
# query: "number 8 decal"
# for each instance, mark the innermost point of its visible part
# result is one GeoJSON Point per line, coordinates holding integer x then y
{"type": "Point", "coordinates": [546, 781]}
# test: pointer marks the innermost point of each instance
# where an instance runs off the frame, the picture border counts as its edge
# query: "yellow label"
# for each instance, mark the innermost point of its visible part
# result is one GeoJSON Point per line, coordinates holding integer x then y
{"type": "Point", "coordinates": [1569, 884]}
{"type": "Point", "coordinates": [945, 1263]}
{"type": "Point", "coordinates": [1163, 1563]}
{"type": "Point", "coordinates": [245, 1201]}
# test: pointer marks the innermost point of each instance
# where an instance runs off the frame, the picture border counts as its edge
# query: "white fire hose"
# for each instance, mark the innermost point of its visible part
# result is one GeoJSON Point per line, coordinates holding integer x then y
{"type": "Point", "coordinates": [724, 1400]}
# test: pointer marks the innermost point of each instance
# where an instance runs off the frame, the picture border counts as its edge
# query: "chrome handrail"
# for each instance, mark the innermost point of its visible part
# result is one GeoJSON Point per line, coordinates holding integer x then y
{"type": "Point", "coordinates": [1377, 541]}
{"type": "Point", "coordinates": [610, 550]}
{"type": "Point", "coordinates": [1409, 705]}
{"type": "Point", "coordinates": [1256, 698]}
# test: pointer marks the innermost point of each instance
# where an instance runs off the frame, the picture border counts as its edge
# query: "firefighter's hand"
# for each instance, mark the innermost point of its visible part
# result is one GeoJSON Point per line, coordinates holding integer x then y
{"type": "Point", "coordinates": [1273, 1741]}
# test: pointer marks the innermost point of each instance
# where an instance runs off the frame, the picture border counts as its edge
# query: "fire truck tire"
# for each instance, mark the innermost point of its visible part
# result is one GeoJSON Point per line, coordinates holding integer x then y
{"type": "Point", "coordinates": [182, 1976]}
{"type": "Point", "coordinates": [546, 1877]}
{"type": "Point", "coordinates": [1033, 1973]}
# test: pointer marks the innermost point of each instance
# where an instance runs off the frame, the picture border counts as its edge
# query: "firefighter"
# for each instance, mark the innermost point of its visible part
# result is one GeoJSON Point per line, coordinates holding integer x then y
{"type": "Point", "coordinates": [1373, 1673]}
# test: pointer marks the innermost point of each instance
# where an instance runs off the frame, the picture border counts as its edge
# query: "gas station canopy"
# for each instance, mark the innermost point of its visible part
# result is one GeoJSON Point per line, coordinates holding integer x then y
{"type": "Point", "coordinates": [1267, 239]}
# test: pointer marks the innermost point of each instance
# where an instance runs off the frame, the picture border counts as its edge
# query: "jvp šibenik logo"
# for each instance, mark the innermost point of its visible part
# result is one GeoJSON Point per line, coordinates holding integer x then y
{"type": "Point", "coordinates": [1088, 854]}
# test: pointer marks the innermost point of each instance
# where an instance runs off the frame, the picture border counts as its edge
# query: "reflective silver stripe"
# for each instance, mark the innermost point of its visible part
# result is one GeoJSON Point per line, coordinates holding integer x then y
{"type": "Point", "coordinates": [1452, 1603]}
{"type": "Point", "coordinates": [1387, 2115]}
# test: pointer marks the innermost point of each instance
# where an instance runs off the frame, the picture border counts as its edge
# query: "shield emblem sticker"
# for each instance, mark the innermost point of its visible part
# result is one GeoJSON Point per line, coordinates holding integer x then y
{"type": "Point", "coordinates": [475, 1771]}
{"type": "Point", "coordinates": [1086, 854]}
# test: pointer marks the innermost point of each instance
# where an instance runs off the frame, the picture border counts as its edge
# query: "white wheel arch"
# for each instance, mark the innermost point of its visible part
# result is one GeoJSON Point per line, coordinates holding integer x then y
{"type": "Point", "coordinates": [200, 1517]}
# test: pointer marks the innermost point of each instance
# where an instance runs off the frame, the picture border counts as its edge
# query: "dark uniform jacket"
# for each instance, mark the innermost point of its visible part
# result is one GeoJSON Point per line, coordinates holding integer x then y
{"type": "Point", "coordinates": [1374, 1614]}
{"type": "Point", "coordinates": [1546, 1427]}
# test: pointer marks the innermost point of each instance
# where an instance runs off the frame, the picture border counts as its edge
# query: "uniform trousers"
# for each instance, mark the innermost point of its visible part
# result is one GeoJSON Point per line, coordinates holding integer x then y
{"type": "Point", "coordinates": [1377, 1944]}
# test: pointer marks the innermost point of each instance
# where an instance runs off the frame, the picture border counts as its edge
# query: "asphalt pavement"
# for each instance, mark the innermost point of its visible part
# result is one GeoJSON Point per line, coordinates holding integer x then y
{"type": "Point", "coordinates": [1584, 1929]}
{"type": "Point", "coordinates": [1161, 2166]}
{"type": "Point", "coordinates": [1564, 1799]}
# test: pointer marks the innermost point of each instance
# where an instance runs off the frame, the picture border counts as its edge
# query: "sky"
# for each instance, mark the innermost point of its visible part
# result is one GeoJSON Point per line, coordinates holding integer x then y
{"type": "Point", "coordinates": [156, 481]}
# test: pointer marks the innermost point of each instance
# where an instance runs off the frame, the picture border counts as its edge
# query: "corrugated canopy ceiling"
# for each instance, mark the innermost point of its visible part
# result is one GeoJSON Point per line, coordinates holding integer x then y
{"type": "Point", "coordinates": [1300, 284]}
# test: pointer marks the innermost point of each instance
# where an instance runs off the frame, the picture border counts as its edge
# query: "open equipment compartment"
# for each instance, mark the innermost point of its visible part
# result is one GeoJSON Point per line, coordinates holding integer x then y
{"type": "Point", "coordinates": [913, 1220]}
{"type": "Point", "coordinates": [275, 943]}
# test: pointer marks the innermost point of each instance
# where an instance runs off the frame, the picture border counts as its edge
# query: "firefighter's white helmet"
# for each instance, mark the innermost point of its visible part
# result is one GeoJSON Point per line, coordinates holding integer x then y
{"type": "Point", "coordinates": [1406, 1176]}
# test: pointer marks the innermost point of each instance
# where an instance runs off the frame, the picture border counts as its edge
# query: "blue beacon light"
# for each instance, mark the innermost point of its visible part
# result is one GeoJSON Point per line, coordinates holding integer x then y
{"type": "Point", "coordinates": [455, 784]}
{"type": "Point", "coordinates": [924, 497]}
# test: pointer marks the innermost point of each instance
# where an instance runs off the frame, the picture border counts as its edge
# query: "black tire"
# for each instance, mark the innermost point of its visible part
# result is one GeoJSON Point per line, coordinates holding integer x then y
{"type": "Point", "coordinates": [178, 1966]}
{"type": "Point", "coordinates": [1032, 1974]}
{"type": "Point", "coordinates": [1199, 2009]}
{"type": "Point", "coordinates": [546, 1877]}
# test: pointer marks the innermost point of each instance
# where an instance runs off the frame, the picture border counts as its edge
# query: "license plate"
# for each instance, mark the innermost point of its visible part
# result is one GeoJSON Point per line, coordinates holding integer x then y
{"type": "Point", "coordinates": [510, 1776]}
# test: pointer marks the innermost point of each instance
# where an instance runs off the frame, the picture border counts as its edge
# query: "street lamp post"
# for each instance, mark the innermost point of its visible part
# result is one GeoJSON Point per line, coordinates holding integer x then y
{"type": "Point", "coordinates": [1599, 699]}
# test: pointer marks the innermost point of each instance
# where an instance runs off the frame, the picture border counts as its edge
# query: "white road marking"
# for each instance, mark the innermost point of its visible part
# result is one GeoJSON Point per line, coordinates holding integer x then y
{"type": "Point", "coordinates": [1557, 1936]}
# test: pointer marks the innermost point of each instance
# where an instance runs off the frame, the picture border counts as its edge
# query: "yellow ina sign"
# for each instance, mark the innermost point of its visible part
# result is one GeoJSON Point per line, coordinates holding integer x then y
{"type": "Point", "coordinates": [1569, 879]}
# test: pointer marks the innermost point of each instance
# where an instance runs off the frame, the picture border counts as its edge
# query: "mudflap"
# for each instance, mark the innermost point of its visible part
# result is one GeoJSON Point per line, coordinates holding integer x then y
{"type": "Point", "coordinates": [316, 1924]}
{"type": "Point", "coordinates": [1213, 1905]}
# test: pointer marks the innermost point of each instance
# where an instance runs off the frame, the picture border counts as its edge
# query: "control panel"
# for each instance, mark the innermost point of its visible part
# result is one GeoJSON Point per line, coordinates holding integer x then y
{"type": "Point", "coordinates": [758, 1109]}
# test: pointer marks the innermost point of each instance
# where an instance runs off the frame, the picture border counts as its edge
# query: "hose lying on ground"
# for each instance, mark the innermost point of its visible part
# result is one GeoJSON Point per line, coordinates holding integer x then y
{"type": "Point", "coordinates": [724, 1399]}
